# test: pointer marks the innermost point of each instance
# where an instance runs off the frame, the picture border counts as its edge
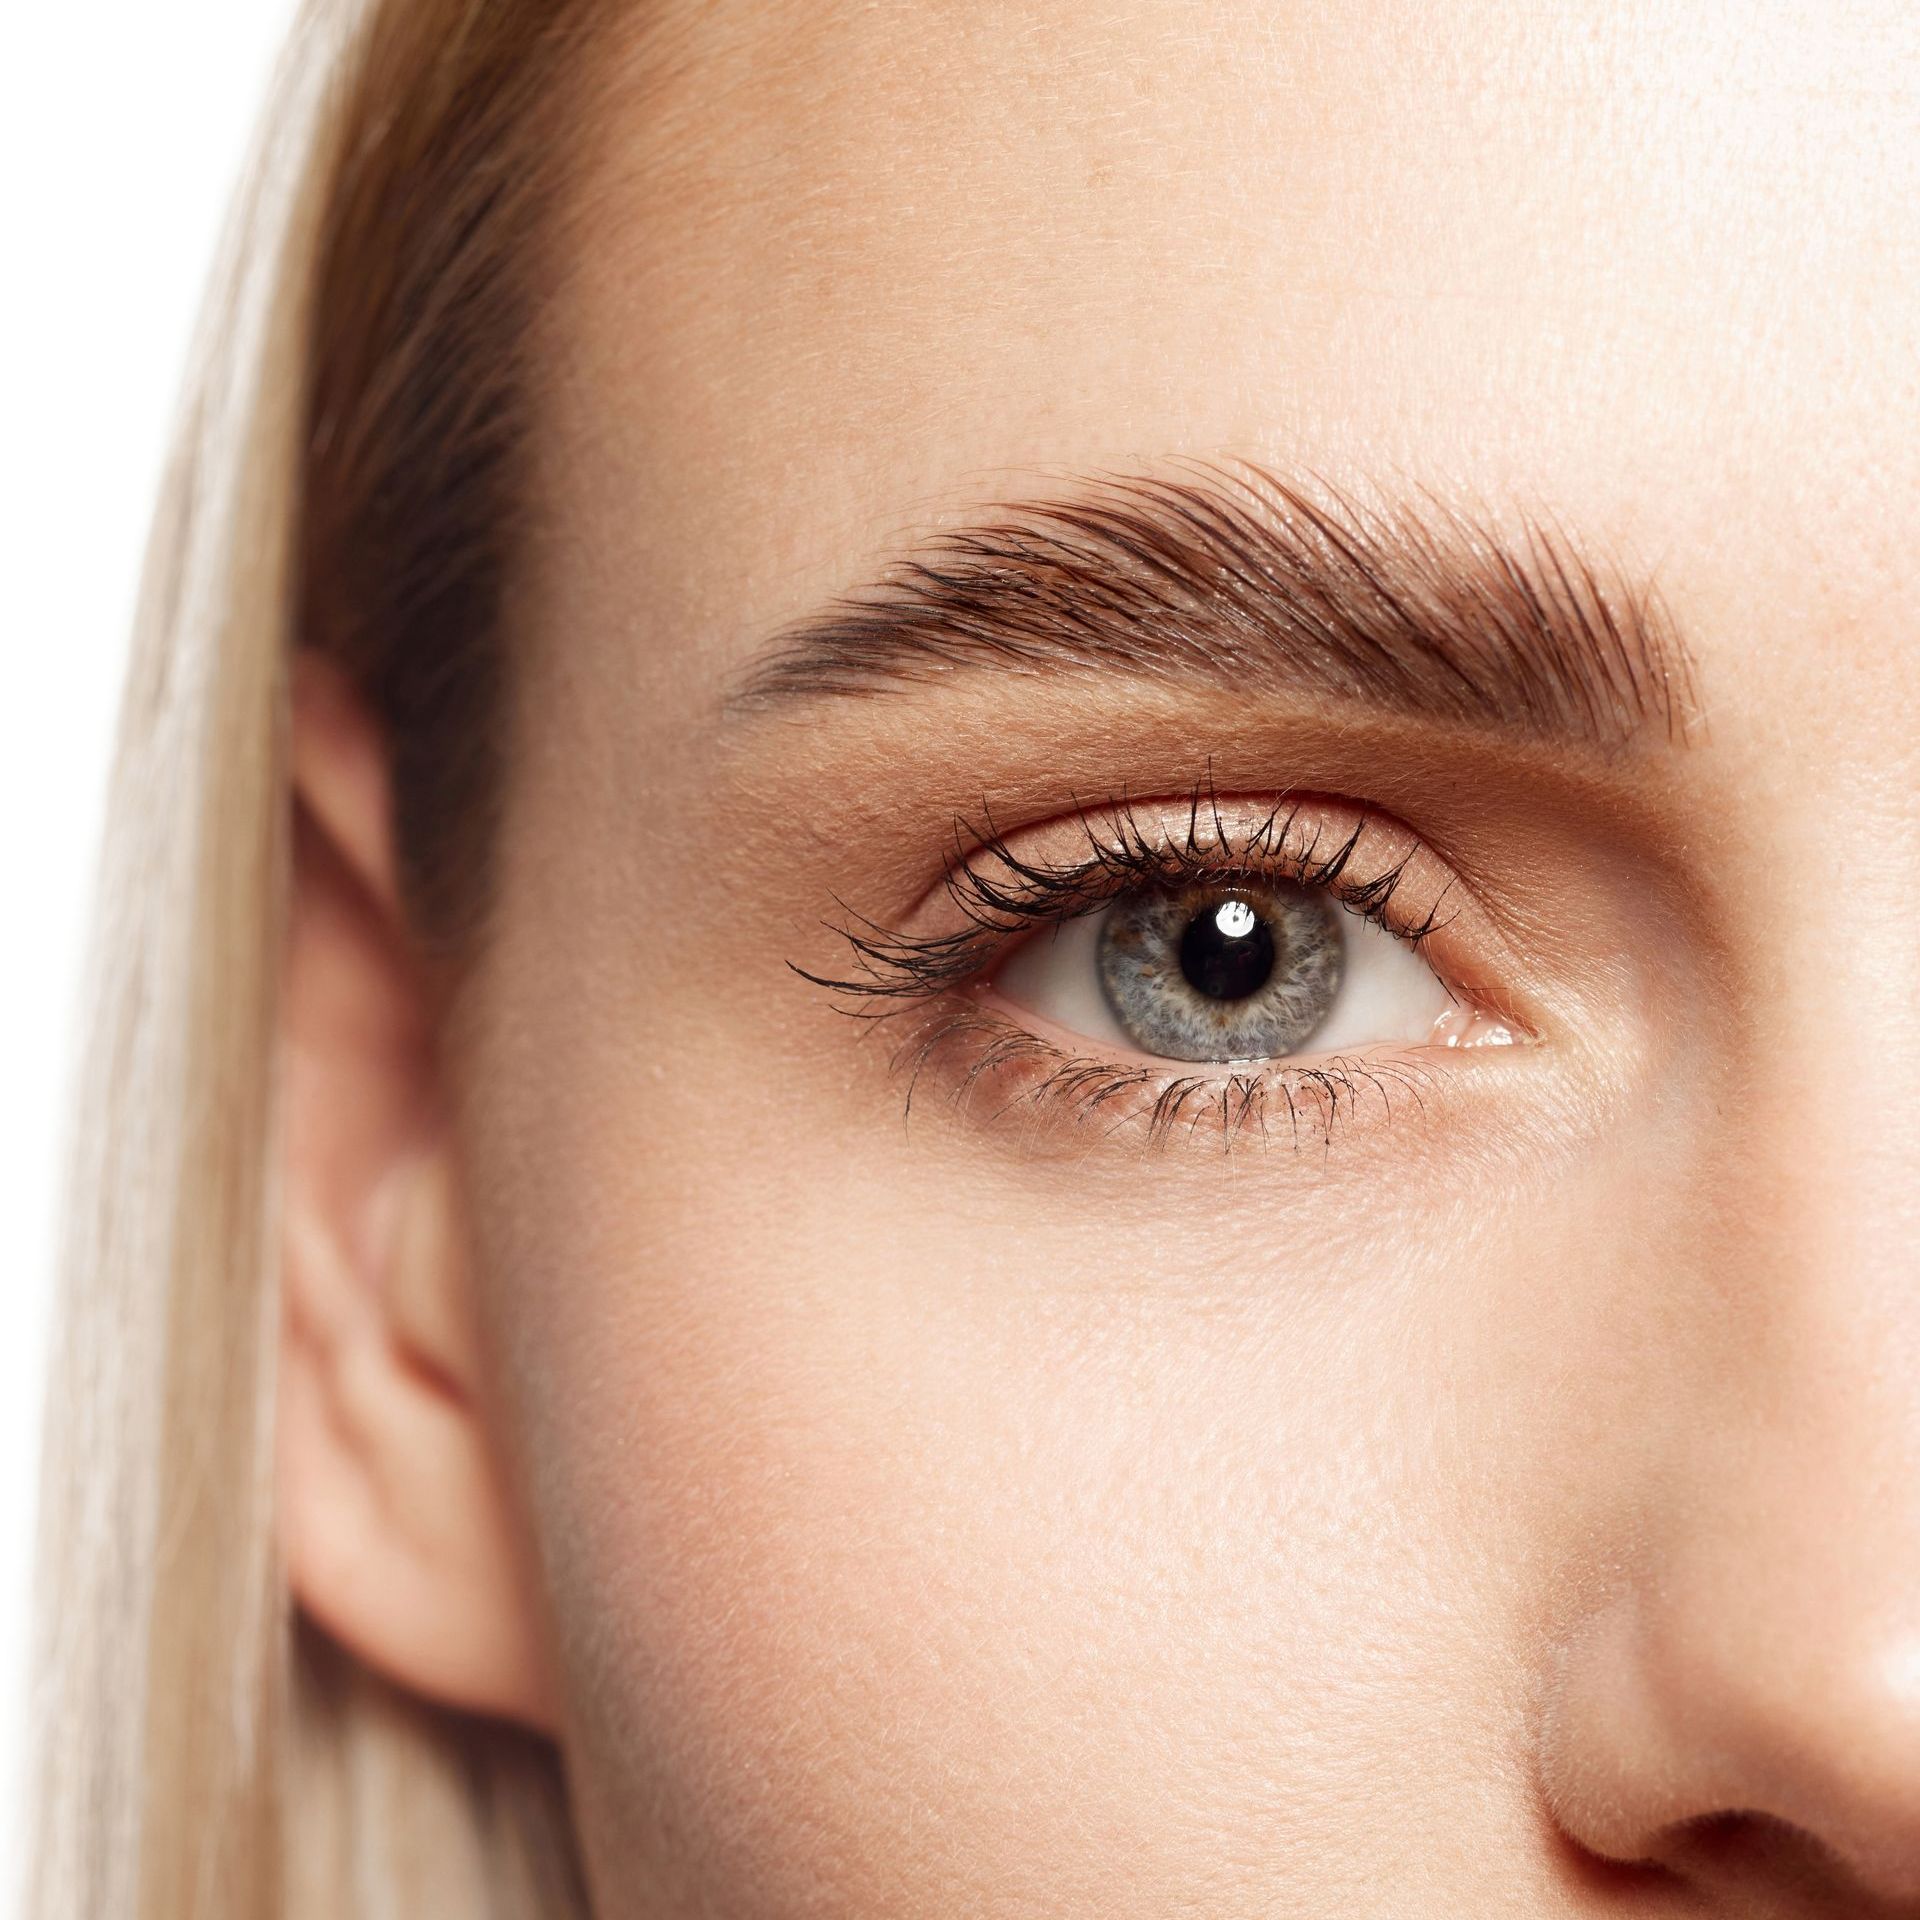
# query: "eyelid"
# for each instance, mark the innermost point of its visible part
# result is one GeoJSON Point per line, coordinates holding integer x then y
{"type": "Point", "coordinates": [1370, 862]}
{"type": "Point", "coordinates": [999, 883]}
{"type": "Point", "coordinates": [1287, 838]}
{"type": "Point", "coordinates": [930, 978]}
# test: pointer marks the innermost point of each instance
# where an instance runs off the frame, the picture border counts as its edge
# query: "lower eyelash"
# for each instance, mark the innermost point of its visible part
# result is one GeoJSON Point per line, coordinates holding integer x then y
{"type": "Point", "coordinates": [1292, 1106]}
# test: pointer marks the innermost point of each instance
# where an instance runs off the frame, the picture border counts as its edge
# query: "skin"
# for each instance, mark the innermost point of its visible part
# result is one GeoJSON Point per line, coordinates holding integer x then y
{"type": "Point", "coordinates": [1508, 1508]}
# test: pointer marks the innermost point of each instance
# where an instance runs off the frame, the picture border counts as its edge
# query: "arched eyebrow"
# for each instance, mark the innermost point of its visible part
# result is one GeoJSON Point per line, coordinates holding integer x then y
{"type": "Point", "coordinates": [1230, 576]}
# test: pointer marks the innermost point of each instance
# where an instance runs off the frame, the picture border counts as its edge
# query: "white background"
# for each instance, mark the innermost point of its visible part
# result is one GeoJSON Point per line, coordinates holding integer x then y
{"type": "Point", "coordinates": [123, 124]}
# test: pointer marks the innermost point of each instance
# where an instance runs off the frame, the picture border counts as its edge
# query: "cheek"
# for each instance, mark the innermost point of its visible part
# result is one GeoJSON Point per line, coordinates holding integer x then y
{"type": "Point", "coordinates": [907, 1537]}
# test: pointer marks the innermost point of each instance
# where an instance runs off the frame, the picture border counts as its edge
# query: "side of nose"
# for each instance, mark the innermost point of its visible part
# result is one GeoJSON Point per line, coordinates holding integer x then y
{"type": "Point", "coordinates": [1735, 1696]}
{"type": "Point", "coordinates": [1742, 1702]}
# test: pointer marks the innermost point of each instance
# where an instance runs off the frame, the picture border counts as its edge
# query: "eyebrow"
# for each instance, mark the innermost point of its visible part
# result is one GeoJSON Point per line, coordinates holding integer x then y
{"type": "Point", "coordinates": [1229, 576]}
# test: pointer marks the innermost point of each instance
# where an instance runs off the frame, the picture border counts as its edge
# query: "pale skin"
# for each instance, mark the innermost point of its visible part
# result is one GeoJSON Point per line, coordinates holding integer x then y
{"type": "Point", "coordinates": [1512, 1509]}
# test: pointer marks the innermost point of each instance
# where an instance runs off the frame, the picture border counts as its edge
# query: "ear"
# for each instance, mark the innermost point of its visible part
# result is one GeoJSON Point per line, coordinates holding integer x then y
{"type": "Point", "coordinates": [395, 1516]}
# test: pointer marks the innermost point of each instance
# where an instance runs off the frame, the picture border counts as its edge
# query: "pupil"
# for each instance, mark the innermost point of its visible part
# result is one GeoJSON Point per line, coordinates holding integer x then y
{"type": "Point", "coordinates": [1226, 953]}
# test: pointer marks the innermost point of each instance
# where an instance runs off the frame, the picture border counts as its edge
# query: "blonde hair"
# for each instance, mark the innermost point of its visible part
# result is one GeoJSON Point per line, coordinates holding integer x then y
{"type": "Point", "coordinates": [342, 477]}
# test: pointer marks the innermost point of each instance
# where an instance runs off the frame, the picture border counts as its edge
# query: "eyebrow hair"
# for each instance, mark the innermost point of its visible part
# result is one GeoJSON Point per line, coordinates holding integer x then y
{"type": "Point", "coordinates": [1228, 575]}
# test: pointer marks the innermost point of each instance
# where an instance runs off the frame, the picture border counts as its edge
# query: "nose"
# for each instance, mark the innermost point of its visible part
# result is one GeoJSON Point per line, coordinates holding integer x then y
{"type": "Point", "coordinates": [1711, 1725]}
{"type": "Point", "coordinates": [1734, 1688]}
{"type": "Point", "coordinates": [1738, 1701]}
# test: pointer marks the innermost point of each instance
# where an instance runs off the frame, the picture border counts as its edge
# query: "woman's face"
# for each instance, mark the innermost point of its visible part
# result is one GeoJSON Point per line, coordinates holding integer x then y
{"type": "Point", "coordinates": [1377, 1476]}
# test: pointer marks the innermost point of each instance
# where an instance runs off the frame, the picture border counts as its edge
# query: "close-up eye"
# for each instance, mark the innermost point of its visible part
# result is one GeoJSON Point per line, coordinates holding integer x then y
{"type": "Point", "coordinates": [1162, 959]}
{"type": "Point", "coordinates": [1243, 970]}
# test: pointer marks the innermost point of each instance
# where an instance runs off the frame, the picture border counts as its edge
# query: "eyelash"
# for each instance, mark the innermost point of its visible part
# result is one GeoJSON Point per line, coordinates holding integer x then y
{"type": "Point", "coordinates": [1001, 896]}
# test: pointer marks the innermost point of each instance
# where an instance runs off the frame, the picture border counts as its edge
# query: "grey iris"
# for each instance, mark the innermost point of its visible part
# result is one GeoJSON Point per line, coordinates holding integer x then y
{"type": "Point", "coordinates": [1221, 972]}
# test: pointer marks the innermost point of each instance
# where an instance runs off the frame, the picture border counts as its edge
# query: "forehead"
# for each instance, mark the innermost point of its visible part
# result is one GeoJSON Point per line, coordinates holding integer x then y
{"type": "Point", "coordinates": [830, 269]}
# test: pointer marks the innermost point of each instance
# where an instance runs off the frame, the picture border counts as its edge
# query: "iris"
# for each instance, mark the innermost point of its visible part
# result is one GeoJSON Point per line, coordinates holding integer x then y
{"type": "Point", "coordinates": [1221, 972]}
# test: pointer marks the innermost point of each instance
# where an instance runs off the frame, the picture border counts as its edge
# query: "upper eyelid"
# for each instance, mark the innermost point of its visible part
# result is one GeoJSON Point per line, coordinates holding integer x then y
{"type": "Point", "coordinates": [928, 952]}
{"type": "Point", "coordinates": [1328, 857]}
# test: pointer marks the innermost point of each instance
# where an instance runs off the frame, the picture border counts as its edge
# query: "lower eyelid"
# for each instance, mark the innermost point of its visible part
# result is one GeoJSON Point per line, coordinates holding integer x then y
{"type": "Point", "coordinates": [998, 1062]}
{"type": "Point", "coordinates": [988, 1002]}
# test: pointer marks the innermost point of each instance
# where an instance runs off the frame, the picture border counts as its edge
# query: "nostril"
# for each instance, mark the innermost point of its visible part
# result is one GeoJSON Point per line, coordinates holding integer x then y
{"type": "Point", "coordinates": [1726, 1840]}
{"type": "Point", "coordinates": [1748, 1847]}
{"type": "Point", "coordinates": [1744, 1740]}
{"type": "Point", "coordinates": [1611, 1883]}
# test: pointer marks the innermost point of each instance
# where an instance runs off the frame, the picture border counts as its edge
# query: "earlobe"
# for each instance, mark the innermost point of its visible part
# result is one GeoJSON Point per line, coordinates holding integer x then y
{"type": "Point", "coordinates": [395, 1517]}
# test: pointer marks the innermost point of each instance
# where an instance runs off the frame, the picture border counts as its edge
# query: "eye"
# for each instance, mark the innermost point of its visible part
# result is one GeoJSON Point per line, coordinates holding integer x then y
{"type": "Point", "coordinates": [1234, 971]}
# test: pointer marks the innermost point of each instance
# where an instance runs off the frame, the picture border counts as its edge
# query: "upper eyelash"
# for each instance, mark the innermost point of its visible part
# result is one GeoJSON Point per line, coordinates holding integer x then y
{"type": "Point", "coordinates": [999, 894]}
